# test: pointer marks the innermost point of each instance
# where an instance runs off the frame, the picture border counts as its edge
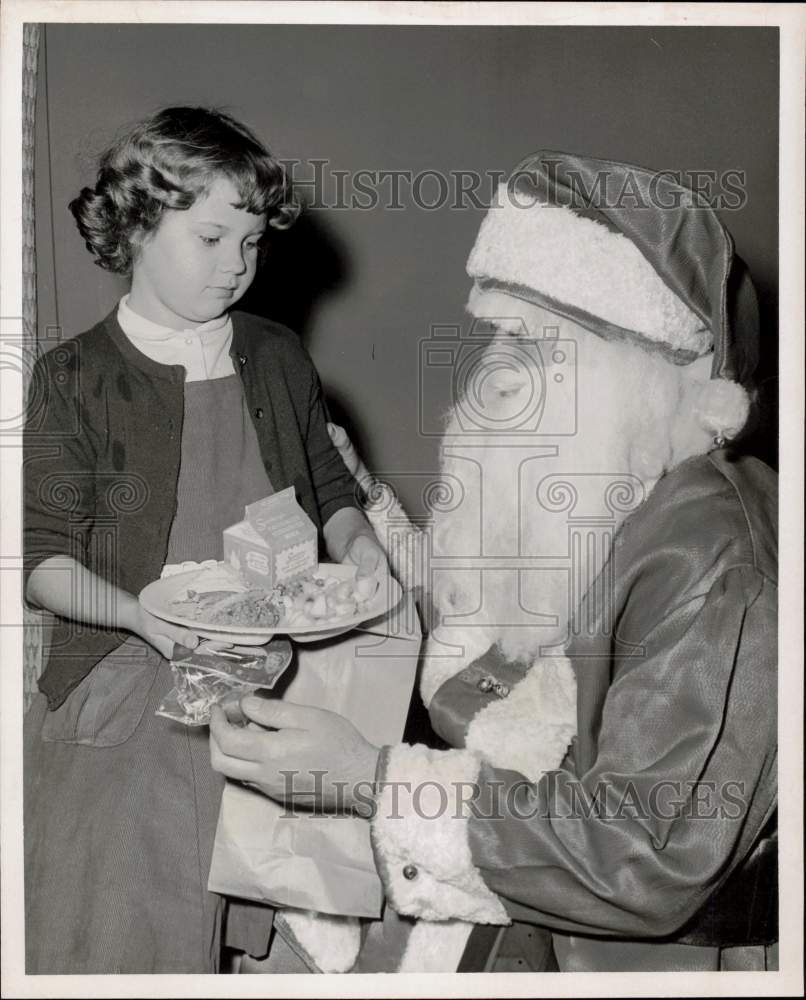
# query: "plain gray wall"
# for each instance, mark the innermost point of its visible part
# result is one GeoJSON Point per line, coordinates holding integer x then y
{"type": "Point", "coordinates": [363, 288]}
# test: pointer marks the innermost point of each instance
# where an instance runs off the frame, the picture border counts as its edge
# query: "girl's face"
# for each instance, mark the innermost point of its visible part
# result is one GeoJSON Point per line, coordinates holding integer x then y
{"type": "Point", "coordinates": [198, 262]}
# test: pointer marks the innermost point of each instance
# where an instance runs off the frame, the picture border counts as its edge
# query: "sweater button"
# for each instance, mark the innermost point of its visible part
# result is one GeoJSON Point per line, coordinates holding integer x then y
{"type": "Point", "coordinates": [502, 690]}
{"type": "Point", "coordinates": [485, 684]}
{"type": "Point", "coordinates": [410, 872]}
{"type": "Point", "coordinates": [241, 360]}
{"type": "Point", "coordinates": [259, 413]}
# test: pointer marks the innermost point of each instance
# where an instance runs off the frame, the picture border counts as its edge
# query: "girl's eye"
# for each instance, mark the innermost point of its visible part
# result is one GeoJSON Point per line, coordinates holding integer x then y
{"type": "Point", "coordinates": [252, 246]}
{"type": "Point", "coordinates": [209, 241]}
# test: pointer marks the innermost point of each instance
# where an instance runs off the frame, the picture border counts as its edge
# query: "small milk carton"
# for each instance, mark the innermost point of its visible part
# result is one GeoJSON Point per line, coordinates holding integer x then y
{"type": "Point", "coordinates": [275, 543]}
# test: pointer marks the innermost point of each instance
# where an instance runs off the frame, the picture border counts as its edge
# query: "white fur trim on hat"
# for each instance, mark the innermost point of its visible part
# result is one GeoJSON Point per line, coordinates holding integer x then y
{"type": "Point", "coordinates": [530, 730]}
{"type": "Point", "coordinates": [498, 306]}
{"type": "Point", "coordinates": [582, 264]}
{"type": "Point", "coordinates": [420, 836]}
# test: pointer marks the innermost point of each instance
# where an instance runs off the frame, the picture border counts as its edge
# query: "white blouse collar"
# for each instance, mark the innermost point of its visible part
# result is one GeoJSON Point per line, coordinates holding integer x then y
{"type": "Point", "coordinates": [138, 327]}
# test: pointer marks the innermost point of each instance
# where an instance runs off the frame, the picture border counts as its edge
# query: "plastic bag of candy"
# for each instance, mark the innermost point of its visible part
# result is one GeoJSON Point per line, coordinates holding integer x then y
{"type": "Point", "coordinates": [215, 673]}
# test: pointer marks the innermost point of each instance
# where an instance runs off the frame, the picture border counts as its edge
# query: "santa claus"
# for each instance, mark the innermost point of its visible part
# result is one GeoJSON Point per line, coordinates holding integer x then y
{"type": "Point", "coordinates": [604, 663]}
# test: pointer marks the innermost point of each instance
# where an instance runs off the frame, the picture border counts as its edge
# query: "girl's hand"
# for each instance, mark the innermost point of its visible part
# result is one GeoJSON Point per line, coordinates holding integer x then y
{"type": "Point", "coordinates": [366, 553]}
{"type": "Point", "coordinates": [163, 636]}
{"type": "Point", "coordinates": [69, 589]}
{"type": "Point", "coordinates": [350, 457]}
{"type": "Point", "coordinates": [295, 753]}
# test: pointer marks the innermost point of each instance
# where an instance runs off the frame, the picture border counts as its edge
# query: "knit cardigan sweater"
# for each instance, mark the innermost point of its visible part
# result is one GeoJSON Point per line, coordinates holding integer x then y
{"type": "Point", "coordinates": [102, 453]}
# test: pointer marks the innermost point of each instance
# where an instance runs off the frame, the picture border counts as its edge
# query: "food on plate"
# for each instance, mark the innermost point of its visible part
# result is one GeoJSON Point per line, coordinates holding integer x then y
{"type": "Point", "coordinates": [320, 600]}
{"type": "Point", "coordinates": [257, 608]}
{"type": "Point", "coordinates": [313, 600]}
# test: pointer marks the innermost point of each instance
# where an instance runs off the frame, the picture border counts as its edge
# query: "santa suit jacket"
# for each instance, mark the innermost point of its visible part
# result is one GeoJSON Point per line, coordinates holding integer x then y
{"type": "Point", "coordinates": [659, 824]}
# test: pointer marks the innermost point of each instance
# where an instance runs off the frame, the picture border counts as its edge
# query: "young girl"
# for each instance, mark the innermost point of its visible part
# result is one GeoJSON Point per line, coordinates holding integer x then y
{"type": "Point", "coordinates": [146, 437]}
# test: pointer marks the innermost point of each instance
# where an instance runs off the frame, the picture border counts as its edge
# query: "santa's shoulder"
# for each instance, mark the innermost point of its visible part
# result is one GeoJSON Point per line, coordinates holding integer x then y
{"type": "Point", "coordinates": [710, 514]}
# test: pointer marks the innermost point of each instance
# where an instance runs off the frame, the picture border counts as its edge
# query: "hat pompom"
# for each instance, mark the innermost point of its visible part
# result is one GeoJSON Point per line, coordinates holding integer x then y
{"type": "Point", "coordinates": [722, 408]}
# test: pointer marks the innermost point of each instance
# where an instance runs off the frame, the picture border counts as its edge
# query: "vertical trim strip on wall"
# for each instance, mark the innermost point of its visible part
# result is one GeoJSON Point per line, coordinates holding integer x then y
{"type": "Point", "coordinates": [32, 621]}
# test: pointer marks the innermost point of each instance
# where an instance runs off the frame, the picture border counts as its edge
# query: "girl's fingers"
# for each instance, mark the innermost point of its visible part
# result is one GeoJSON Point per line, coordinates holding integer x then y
{"type": "Point", "coordinates": [338, 435]}
{"type": "Point", "coordinates": [189, 639]}
{"type": "Point", "coordinates": [163, 646]}
{"type": "Point", "coordinates": [342, 442]}
{"type": "Point", "coordinates": [175, 633]}
{"type": "Point", "coordinates": [184, 635]}
{"type": "Point", "coordinates": [163, 635]}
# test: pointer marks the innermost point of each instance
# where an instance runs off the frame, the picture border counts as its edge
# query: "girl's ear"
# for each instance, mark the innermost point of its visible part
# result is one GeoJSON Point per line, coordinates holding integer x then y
{"type": "Point", "coordinates": [137, 240]}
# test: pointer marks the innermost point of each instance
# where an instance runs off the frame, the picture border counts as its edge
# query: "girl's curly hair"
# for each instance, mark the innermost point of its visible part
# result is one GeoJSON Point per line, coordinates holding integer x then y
{"type": "Point", "coordinates": [167, 162]}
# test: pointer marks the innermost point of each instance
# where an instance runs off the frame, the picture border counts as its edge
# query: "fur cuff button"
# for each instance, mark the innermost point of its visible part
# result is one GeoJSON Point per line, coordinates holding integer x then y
{"type": "Point", "coordinates": [410, 872]}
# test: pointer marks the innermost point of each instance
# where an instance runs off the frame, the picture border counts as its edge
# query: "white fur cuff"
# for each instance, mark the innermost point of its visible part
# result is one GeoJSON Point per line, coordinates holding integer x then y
{"type": "Point", "coordinates": [531, 729]}
{"type": "Point", "coordinates": [580, 263]}
{"type": "Point", "coordinates": [331, 943]}
{"type": "Point", "coordinates": [435, 947]}
{"type": "Point", "coordinates": [420, 836]}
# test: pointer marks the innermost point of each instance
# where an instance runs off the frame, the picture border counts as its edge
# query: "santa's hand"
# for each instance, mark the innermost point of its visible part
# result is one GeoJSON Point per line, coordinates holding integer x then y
{"type": "Point", "coordinates": [294, 753]}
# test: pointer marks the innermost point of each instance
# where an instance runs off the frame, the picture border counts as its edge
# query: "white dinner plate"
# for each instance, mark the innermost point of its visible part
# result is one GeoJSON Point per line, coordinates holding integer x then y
{"type": "Point", "coordinates": [157, 598]}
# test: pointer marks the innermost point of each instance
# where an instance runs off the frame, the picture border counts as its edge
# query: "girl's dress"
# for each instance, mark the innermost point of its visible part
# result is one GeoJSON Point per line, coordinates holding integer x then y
{"type": "Point", "coordinates": [121, 805]}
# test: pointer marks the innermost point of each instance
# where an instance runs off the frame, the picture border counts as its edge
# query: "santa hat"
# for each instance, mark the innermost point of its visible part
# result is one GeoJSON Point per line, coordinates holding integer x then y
{"type": "Point", "coordinates": [630, 254]}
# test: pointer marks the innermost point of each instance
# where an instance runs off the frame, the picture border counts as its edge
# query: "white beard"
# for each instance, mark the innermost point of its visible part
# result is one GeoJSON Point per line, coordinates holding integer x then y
{"type": "Point", "coordinates": [633, 424]}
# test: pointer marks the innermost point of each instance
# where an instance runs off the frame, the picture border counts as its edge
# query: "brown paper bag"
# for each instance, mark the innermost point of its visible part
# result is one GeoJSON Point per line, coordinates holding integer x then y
{"type": "Point", "coordinates": [268, 853]}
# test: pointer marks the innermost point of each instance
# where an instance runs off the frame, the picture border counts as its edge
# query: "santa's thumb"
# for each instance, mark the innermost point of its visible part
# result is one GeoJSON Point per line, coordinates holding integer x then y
{"type": "Point", "coordinates": [274, 714]}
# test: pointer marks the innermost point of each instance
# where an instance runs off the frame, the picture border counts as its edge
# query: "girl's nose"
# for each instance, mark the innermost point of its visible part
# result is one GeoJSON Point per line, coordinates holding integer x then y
{"type": "Point", "coordinates": [234, 262]}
